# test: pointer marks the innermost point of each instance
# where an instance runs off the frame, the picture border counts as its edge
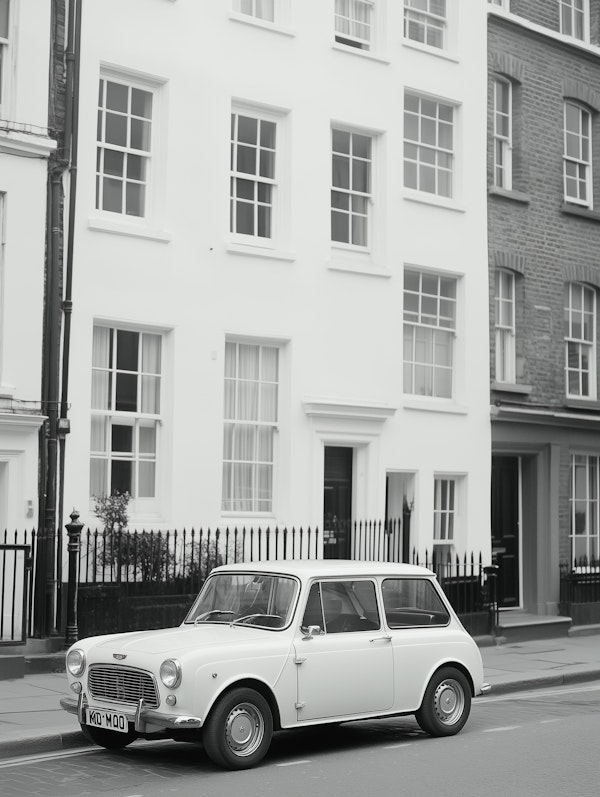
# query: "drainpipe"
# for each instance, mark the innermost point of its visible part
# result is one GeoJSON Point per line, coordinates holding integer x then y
{"type": "Point", "coordinates": [73, 60]}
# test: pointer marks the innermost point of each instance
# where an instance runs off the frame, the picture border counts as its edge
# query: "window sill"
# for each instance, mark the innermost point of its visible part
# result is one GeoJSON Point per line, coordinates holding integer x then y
{"type": "Point", "coordinates": [368, 54]}
{"type": "Point", "coordinates": [102, 224]}
{"type": "Point", "coordinates": [432, 199]}
{"type": "Point", "coordinates": [583, 404]}
{"type": "Point", "coordinates": [252, 250]}
{"type": "Point", "coordinates": [246, 19]}
{"type": "Point", "coordinates": [435, 405]}
{"type": "Point", "coordinates": [355, 261]}
{"type": "Point", "coordinates": [511, 387]}
{"type": "Point", "coordinates": [515, 196]}
{"type": "Point", "coordinates": [438, 52]}
{"type": "Point", "coordinates": [581, 212]}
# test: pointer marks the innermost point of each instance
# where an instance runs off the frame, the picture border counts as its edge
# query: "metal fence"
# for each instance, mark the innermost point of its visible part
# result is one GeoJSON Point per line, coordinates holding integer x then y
{"type": "Point", "coordinates": [580, 590]}
{"type": "Point", "coordinates": [178, 562]}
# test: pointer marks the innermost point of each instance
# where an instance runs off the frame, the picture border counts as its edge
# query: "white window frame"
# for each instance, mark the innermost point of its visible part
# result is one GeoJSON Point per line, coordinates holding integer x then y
{"type": "Point", "coordinates": [426, 153]}
{"type": "Point", "coordinates": [421, 21]}
{"type": "Point", "coordinates": [445, 510]}
{"type": "Point", "coordinates": [279, 184]}
{"type": "Point", "coordinates": [584, 506]}
{"type": "Point", "coordinates": [346, 18]}
{"type": "Point", "coordinates": [251, 504]}
{"type": "Point", "coordinates": [503, 134]}
{"type": "Point", "coordinates": [355, 196]}
{"type": "Point", "coordinates": [429, 328]}
{"type": "Point", "coordinates": [5, 50]}
{"type": "Point", "coordinates": [580, 347]}
{"type": "Point", "coordinates": [574, 19]}
{"type": "Point", "coordinates": [264, 10]}
{"type": "Point", "coordinates": [505, 337]}
{"type": "Point", "coordinates": [577, 156]}
{"type": "Point", "coordinates": [145, 156]}
{"type": "Point", "coordinates": [135, 419]}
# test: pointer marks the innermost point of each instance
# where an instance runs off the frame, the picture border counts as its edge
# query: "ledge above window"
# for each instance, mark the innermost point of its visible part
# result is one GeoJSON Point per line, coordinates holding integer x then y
{"type": "Point", "coordinates": [511, 387]}
{"type": "Point", "coordinates": [581, 212]}
{"type": "Point", "coordinates": [515, 196]}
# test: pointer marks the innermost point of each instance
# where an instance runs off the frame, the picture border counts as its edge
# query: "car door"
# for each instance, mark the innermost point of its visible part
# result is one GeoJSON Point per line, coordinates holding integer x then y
{"type": "Point", "coordinates": [345, 668]}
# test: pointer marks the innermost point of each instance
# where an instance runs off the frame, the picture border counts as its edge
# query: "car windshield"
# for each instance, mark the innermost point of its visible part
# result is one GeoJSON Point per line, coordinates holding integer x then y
{"type": "Point", "coordinates": [253, 599]}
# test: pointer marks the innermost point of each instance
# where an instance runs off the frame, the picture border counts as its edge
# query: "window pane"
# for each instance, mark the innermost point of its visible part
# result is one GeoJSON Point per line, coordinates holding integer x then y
{"type": "Point", "coordinates": [126, 398]}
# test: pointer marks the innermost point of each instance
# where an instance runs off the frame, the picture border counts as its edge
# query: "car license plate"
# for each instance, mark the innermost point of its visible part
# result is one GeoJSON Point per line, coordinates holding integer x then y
{"type": "Point", "coordinates": [110, 720]}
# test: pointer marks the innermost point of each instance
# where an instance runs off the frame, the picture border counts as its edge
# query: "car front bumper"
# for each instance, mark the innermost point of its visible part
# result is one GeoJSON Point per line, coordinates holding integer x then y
{"type": "Point", "coordinates": [144, 720]}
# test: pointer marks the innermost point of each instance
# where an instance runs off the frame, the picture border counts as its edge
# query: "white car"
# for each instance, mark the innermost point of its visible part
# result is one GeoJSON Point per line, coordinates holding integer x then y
{"type": "Point", "coordinates": [286, 644]}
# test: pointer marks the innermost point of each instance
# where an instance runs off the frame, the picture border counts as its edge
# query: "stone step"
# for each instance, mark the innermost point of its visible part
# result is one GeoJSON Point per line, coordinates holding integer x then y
{"type": "Point", "coordinates": [11, 666]}
{"type": "Point", "coordinates": [521, 626]}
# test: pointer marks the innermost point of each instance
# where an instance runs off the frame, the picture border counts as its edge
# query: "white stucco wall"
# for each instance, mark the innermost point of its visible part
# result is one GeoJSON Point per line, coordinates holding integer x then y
{"type": "Point", "coordinates": [24, 149]}
{"type": "Point", "coordinates": [337, 316]}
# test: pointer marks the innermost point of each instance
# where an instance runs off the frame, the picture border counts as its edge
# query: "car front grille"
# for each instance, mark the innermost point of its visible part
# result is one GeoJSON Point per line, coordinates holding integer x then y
{"type": "Point", "coordinates": [122, 685]}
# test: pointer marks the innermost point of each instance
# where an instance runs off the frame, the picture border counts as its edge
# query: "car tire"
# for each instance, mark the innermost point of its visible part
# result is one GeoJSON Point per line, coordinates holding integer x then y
{"type": "Point", "coordinates": [446, 704]}
{"type": "Point", "coordinates": [238, 731]}
{"type": "Point", "coordinates": [112, 740]}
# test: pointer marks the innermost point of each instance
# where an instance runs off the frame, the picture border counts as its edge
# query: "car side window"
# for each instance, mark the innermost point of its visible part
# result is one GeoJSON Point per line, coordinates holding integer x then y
{"type": "Point", "coordinates": [412, 602]}
{"type": "Point", "coordinates": [349, 606]}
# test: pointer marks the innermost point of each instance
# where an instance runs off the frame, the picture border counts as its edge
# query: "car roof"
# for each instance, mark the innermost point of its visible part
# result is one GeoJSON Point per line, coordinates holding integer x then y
{"type": "Point", "coordinates": [323, 568]}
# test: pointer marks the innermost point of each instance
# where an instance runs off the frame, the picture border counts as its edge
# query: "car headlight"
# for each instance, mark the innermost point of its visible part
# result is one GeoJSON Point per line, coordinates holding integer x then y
{"type": "Point", "coordinates": [170, 673]}
{"type": "Point", "coordinates": [76, 662]}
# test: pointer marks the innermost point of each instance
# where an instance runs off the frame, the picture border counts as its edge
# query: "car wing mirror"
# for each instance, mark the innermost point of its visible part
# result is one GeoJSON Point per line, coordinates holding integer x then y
{"type": "Point", "coordinates": [310, 631]}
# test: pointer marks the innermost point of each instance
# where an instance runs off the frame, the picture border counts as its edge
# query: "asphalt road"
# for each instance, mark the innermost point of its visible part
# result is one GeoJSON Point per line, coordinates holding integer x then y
{"type": "Point", "coordinates": [541, 742]}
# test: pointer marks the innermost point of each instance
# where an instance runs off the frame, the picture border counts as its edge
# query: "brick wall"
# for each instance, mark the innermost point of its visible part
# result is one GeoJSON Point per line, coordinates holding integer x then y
{"type": "Point", "coordinates": [538, 229]}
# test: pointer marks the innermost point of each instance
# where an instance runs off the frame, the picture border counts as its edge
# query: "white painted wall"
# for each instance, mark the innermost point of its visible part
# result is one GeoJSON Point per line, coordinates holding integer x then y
{"type": "Point", "coordinates": [338, 317]}
{"type": "Point", "coordinates": [24, 148]}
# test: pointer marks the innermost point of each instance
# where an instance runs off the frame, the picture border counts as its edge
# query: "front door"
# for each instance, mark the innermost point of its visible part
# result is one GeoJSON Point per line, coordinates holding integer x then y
{"type": "Point", "coordinates": [505, 528]}
{"type": "Point", "coordinates": [337, 502]}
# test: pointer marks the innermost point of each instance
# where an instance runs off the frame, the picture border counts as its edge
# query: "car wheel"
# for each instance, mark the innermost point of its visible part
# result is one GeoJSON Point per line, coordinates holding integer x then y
{"type": "Point", "coordinates": [112, 740]}
{"type": "Point", "coordinates": [446, 703]}
{"type": "Point", "coordinates": [239, 728]}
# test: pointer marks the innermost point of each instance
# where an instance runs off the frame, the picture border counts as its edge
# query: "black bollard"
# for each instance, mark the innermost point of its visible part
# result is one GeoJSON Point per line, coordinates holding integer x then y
{"type": "Point", "coordinates": [74, 531]}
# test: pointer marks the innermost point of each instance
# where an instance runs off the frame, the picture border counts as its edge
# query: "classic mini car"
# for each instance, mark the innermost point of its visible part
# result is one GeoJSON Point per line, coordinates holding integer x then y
{"type": "Point", "coordinates": [277, 645]}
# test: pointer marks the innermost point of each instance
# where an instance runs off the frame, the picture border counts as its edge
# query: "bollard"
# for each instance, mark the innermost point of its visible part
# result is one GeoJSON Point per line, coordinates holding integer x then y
{"type": "Point", "coordinates": [74, 531]}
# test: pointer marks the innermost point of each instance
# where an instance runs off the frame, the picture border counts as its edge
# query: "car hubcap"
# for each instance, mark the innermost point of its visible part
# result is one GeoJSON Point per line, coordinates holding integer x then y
{"type": "Point", "coordinates": [449, 702]}
{"type": "Point", "coordinates": [244, 729]}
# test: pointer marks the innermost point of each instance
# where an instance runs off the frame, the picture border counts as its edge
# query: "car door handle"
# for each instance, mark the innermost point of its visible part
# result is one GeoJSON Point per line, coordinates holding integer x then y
{"type": "Point", "coordinates": [385, 637]}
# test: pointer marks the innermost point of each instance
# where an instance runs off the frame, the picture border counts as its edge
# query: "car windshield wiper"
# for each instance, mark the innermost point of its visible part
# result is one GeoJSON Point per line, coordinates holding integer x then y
{"type": "Point", "coordinates": [247, 617]}
{"type": "Point", "coordinates": [207, 616]}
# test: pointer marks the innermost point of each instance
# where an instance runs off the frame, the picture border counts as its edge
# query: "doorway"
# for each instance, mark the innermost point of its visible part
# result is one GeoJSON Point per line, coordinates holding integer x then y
{"type": "Point", "coordinates": [506, 543]}
{"type": "Point", "coordinates": [337, 502]}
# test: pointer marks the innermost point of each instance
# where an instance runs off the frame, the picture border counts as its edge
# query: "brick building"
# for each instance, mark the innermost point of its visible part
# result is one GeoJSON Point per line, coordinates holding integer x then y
{"type": "Point", "coordinates": [544, 238]}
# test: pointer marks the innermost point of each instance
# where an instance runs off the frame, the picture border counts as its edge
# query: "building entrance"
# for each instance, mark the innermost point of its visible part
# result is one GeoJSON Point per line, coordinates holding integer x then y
{"type": "Point", "coordinates": [337, 502]}
{"type": "Point", "coordinates": [505, 528]}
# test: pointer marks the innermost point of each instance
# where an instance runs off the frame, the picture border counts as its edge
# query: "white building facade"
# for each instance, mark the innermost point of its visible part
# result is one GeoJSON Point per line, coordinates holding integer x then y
{"type": "Point", "coordinates": [280, 293]}
{"type": "Point", "coordinates": [25, 146]}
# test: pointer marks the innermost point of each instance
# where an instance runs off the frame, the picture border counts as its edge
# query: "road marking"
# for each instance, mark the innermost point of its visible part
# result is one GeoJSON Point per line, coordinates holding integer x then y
{"type": "Point", "coordinates": [294, 763]}
{"type": "Point", "coordinates": [396, 746]}
{"type": "Point", "coordinates": [21, 760]}
{"type": "Point", "coordinates": [547, 722]}
{"type": "Point", "coordinates": [499, 730]}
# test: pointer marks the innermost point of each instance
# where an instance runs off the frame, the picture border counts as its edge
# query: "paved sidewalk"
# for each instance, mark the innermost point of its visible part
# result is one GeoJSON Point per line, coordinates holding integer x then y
{"type": "Point", "coordinates": [32, 722]}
